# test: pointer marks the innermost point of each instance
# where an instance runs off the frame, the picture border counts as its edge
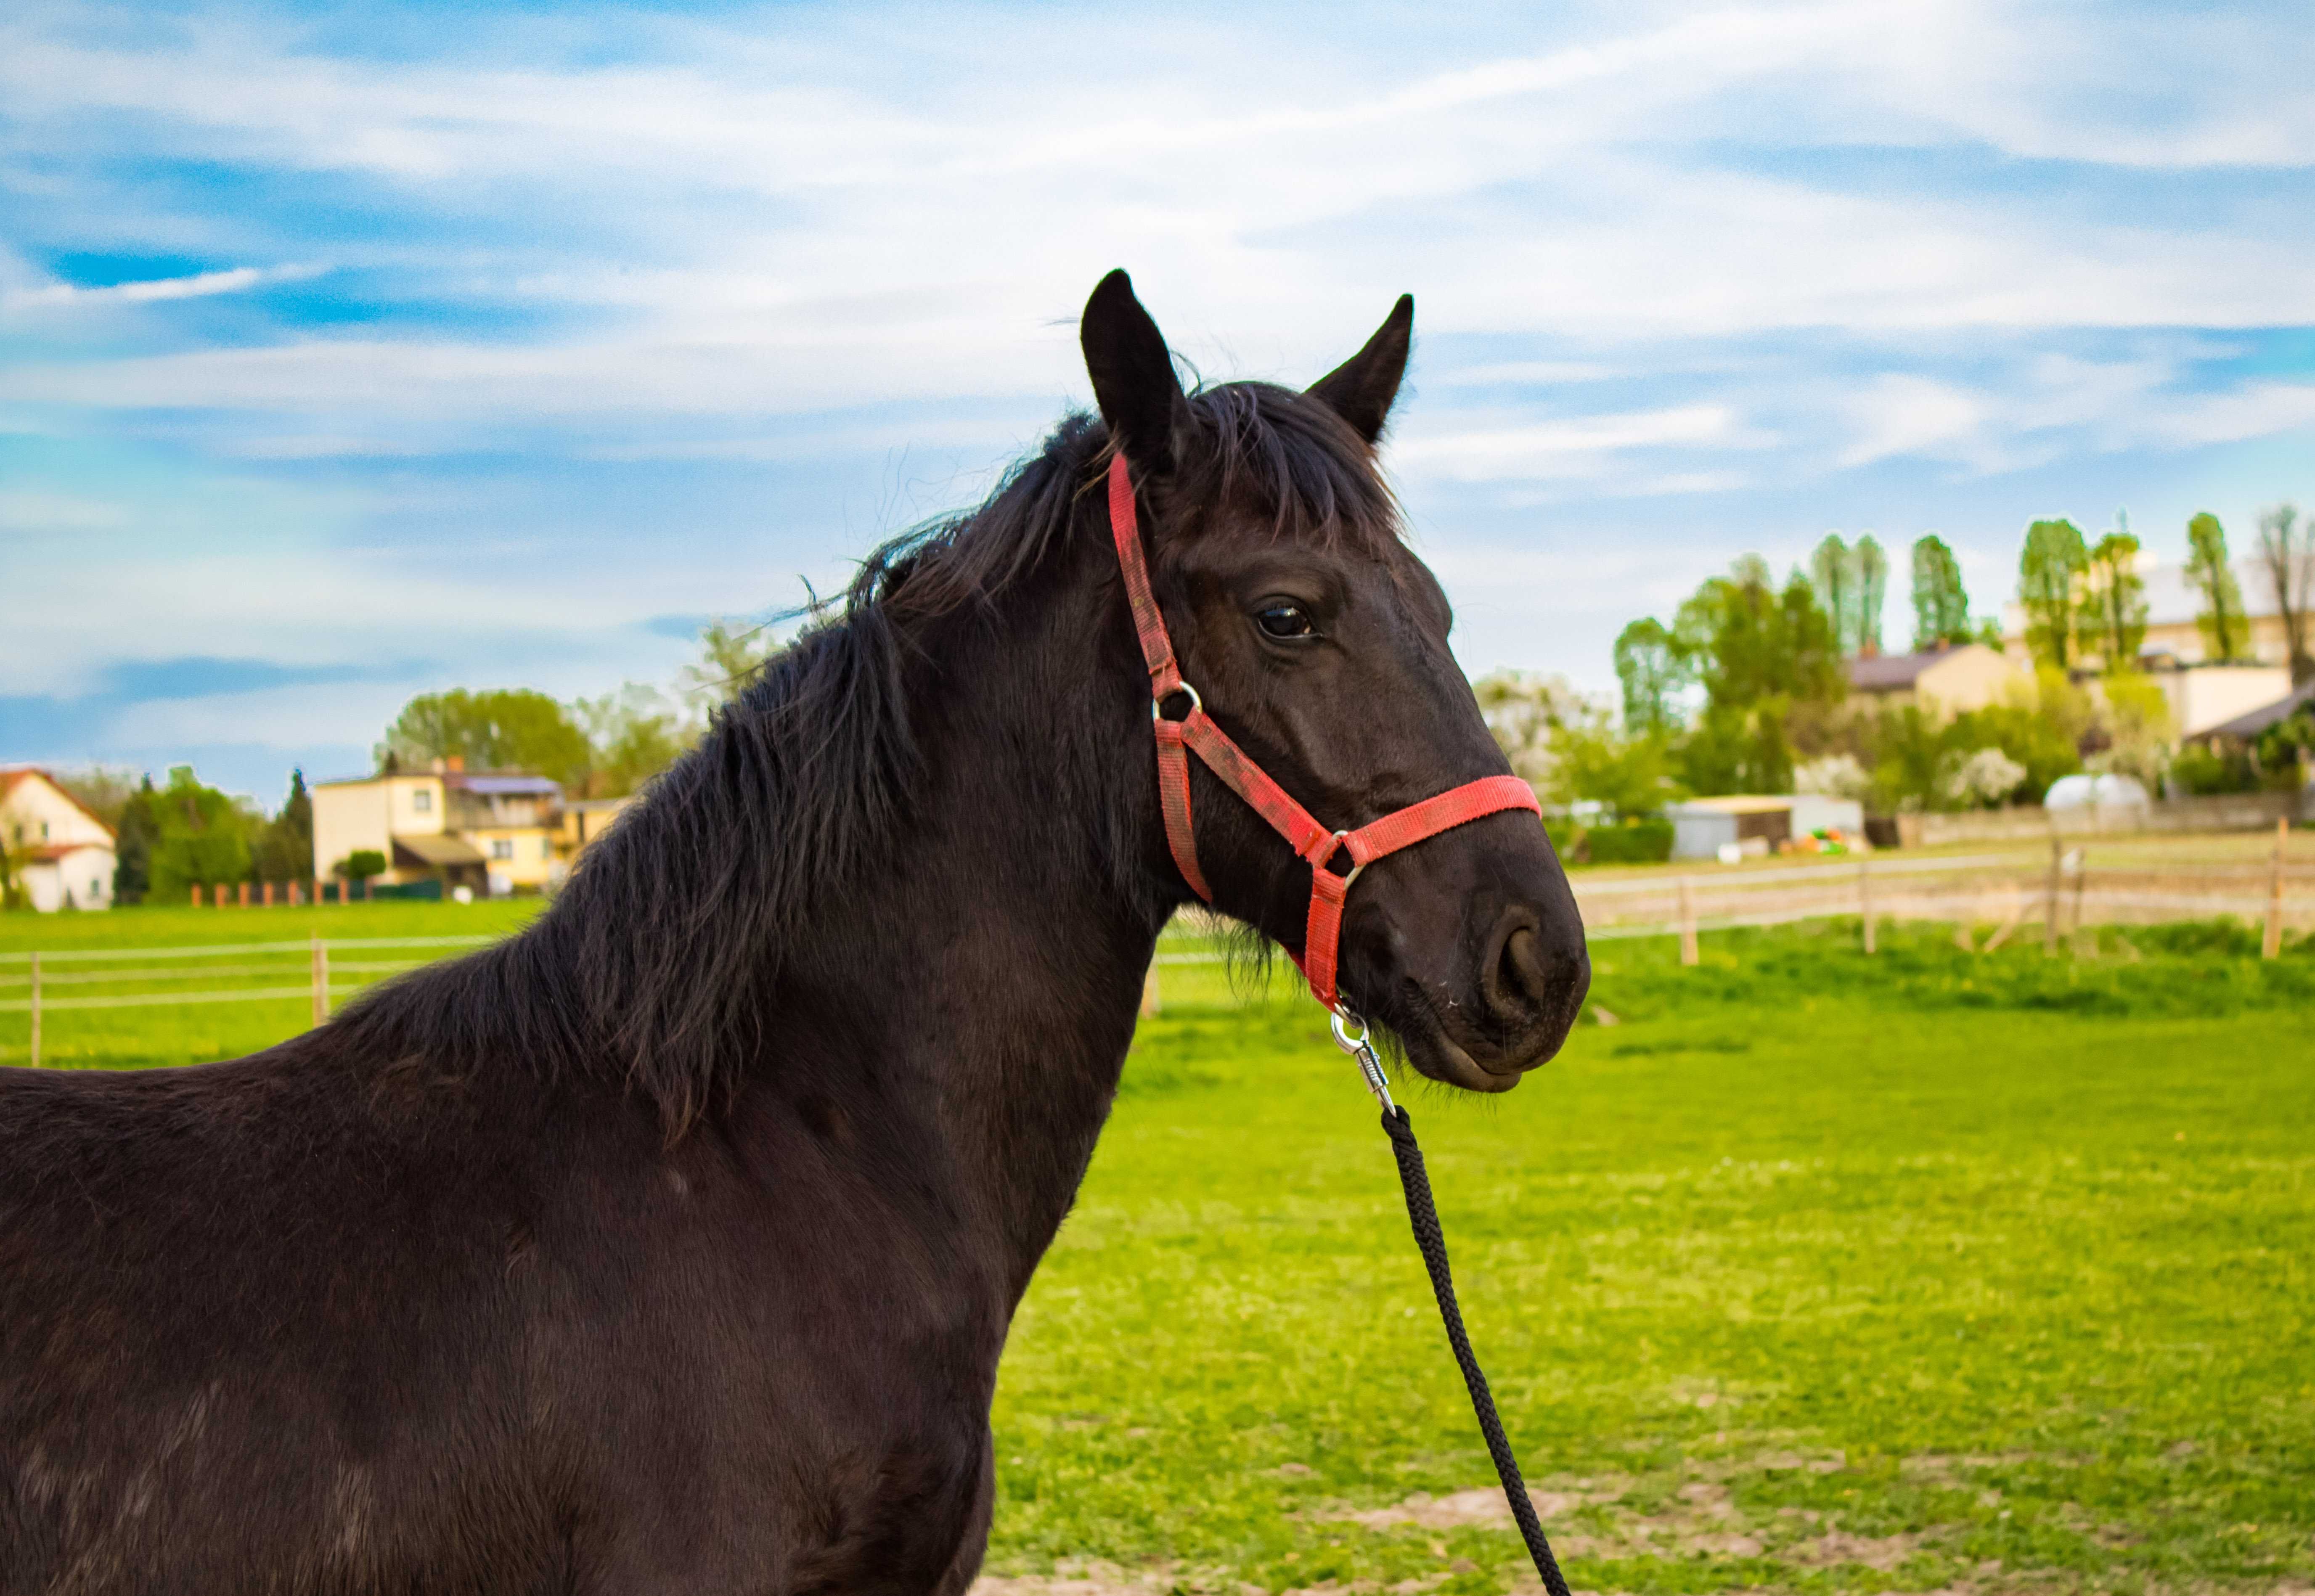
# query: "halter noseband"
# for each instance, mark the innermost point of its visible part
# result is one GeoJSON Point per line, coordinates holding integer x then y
{"type": "Point", "coordinates": [1195, 733]}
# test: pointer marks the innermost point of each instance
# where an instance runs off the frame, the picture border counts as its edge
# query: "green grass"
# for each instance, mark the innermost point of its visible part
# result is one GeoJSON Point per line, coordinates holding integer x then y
{"type": "Point", "coordinates": [1814, 1273]}
{"type": "Point", "coordinates": [188, 1033]}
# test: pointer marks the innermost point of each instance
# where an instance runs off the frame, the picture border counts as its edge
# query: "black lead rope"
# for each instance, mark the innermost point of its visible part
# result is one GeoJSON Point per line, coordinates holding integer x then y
{"type": "Point", "coordinates": [1433, 1243]}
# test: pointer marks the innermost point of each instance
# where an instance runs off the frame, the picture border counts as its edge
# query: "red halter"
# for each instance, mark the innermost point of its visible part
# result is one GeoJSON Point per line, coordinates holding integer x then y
{"type": "Point", "coordinates": [1196, 732]}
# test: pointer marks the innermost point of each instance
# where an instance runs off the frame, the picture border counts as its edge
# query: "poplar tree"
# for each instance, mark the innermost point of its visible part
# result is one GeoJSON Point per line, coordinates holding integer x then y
{"type": "Point", "coordinates": [2049, 570]}
{"type": "Point", "coordinates": [1940, 603]}
{"type": "Point", "coordinates": [2115, 611]}
{"type": "Point", "coordinates": [2225, 627]}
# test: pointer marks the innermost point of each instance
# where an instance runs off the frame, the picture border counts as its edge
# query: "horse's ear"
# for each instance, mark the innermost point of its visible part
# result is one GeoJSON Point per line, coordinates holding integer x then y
{"type": "Point", "coordinates": [1133, 378]}
{"type": "Point", "coordinates": [1362, 389]}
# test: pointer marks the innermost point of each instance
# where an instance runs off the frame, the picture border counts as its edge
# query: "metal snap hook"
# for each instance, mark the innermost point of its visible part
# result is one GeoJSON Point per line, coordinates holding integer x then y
{"type": "Point", "coordinates": [1362, 1049]}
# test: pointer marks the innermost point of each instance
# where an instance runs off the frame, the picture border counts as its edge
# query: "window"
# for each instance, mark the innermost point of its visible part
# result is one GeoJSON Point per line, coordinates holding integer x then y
{"type": "Point", "coordinates": [502, 847]}
{"type": "Point", "coordinates": [546, 847]}
{"type": "Point", "coordinates": [422, 800]}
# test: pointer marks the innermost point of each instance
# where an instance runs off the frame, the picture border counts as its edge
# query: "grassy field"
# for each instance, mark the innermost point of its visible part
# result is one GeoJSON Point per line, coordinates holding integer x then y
{"type": "Point", "coordinates": [1813, 1273]}
{"type": "Point", "coordinates": [1809, 1272]}
{"type": "Point", "coordinates": [269, 951]}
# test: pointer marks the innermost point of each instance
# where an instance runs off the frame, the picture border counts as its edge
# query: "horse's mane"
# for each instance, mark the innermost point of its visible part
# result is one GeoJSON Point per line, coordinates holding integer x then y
{"type": "Point", "coordinates": [657, 955]}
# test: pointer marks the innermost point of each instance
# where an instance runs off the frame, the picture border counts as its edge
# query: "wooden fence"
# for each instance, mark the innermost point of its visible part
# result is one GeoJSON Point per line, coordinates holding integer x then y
{"type": "Point", "coordinates": [2069, 890]}
{"type": "Point", "coordinates": [1994, 895]}
{"type": "Point", "coordinates": [320, 975]}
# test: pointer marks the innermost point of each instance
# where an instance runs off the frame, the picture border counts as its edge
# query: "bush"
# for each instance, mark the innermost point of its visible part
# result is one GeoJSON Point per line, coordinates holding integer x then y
{"type": "Point", "coordinates": [1566, 837]}
{"type": "Point", "coordinates": [2200, 772]}
{"type": "Point", "coordinates": [1634, 842]}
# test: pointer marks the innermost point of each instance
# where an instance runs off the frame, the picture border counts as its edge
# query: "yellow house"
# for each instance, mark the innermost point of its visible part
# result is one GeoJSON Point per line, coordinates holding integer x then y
{"type": "Point", "coordinates": [586, 819]}
{"type": "Point", "coordinates": [491, 831]}
{"type": "Point", "coordinates": [1945, 682]}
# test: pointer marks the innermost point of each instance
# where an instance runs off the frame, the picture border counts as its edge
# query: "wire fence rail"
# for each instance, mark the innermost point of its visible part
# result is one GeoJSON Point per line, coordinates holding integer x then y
{"type": "Point", "coordinates": [2066, 893]}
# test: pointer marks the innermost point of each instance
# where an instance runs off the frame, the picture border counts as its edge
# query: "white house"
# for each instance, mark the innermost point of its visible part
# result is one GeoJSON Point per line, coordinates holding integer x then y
{"type": "Point", "coordinates": [62, 854]}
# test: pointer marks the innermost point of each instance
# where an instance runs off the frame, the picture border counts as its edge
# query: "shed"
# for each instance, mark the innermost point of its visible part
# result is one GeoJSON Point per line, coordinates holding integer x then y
{"type": "Point", "coordinates": [1701, 827]}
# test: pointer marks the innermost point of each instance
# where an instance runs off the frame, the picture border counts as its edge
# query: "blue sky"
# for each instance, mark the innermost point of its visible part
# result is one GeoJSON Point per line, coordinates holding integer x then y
{"type": "Point", "coordinates": [348, 351]}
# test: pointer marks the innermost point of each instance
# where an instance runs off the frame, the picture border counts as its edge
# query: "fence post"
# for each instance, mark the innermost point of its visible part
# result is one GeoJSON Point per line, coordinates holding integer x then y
{"type": "Point", "coordinates": [36, 1010]}
{"type": "Point", "coordinates": [1149, 989]}
{"type": "Point", "coordinates": [1686, 923]}
{"type": "Point", "coordinates": [1865, 899]}
{"type": "Point", "coordinates": [2050, 907]}
{"type": "Point", "coordinates": [197, 894]}
{"type": "Point", "coordinates": [2271, 946]}
{"type": "Point", "coordinates": [321, 981]}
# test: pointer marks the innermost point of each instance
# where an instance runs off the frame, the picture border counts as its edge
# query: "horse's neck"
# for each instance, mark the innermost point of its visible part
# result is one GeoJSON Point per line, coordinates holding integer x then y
{"type": "Point", "coordinates": [997, 963]}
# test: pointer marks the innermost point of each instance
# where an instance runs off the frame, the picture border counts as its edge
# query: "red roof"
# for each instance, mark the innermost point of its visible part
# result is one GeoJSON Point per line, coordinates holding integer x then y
{"type": "Point", "coordinates": [49, 853]}
{"type": "Point", "coordinates": [10, 778]}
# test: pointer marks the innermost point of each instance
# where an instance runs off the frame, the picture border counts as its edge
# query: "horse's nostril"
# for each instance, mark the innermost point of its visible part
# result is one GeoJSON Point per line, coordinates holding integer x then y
{"type": "Point", "coordinates": [1515, 982]}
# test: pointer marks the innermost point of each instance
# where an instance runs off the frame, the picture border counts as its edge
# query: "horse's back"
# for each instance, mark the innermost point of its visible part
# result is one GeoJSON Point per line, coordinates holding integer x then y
{"type": "Point", "coordinates": [220, 1290]}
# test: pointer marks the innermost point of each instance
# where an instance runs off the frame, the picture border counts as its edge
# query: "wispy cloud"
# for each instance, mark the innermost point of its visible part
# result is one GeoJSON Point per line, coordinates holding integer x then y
{"type": "Point", "coordinates": [200, 284]}
{"type": "Point", "coordinates": [644, 307]}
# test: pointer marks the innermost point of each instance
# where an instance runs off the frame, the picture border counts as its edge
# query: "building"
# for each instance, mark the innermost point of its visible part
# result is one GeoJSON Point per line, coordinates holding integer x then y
{"type": "Point", "coordinates": [491, 831]}
{"type": "Point", "coordinates": [61, 854]}
{"type": "Point", "coordinates": [2205, 697]}
{"type": "Point", "coordinates": [586, 819]}
{"type": "Point", "coordinates": [1758, 824]}
{"type": "Point", "coordinates": [1944, 682]}
{"type": "Point", "coordinates": [2253, 724]}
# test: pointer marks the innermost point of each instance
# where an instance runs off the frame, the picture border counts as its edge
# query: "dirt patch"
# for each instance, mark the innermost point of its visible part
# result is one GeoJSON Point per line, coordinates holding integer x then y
{"type": "Point", "coordinates": [1837, 1546]}
{"type": "Point", "coordinates": [1481, 1507]}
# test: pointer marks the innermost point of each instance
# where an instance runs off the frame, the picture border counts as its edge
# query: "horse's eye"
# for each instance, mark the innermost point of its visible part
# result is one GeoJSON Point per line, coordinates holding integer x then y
{"type": "Point", "coordinates": [1285, 620]}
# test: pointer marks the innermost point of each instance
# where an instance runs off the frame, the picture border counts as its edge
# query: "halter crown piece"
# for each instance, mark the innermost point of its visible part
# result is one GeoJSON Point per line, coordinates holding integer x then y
{"type": "Point", "coordinates": [1195, 733]}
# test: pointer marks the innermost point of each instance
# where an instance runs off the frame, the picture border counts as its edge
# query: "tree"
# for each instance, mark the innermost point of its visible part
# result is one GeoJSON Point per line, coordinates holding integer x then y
{"type": "Point", "coordinates": [1872, 572]}
{"type": "Point", "coordinates": [2288, 555]}
{"type": "Point", "coordinates": [1592, 762]}
{"type": "Point", "coordinates": [1850, 584]}
{"type": "Point", "coordinates": [1940, 603]}
{"type": "Point", "coordinates": [2226, 629]}
{"type": "Point", "coordinates": [203, 840]}
{"type": "Point", "coordinates": [1752, 642]}
{"type": "Point", "coordinates": [729, 660]}
{"type": "Point", "coordinates": [495, 729]}
{"type": "Point", "coordinates": [360, 864]}
{"type": "Point", "coordinates": [284, 849]}
{"type": "Point", "coordinates": [2114, 607]}
{"type": "Point", "coordinates": [635, 734]}
{"type": "Point", "coordinates": [1652, 669]}
{"type": "Point", "coordinates": [1523, 709]}
{"type": "Point", "coordinates": [2049, 570]}
{"type": "Point", "coordinates": [137, 835]}
{"type": "Point", "coordinates": [2141, 730]}
{"type": "Point", "coordinates": [104, 793]}
{"type": "Point", "coordinates": [1833, 572]}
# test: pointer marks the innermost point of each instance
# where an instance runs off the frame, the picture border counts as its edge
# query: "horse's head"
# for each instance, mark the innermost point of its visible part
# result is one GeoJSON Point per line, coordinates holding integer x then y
{"type": "Point", "coordinates": [1318, 643]}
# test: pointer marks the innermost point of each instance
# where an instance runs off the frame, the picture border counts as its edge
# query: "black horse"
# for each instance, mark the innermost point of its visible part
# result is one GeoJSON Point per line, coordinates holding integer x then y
{"type": "Point", "coordinates": [671, 1244]}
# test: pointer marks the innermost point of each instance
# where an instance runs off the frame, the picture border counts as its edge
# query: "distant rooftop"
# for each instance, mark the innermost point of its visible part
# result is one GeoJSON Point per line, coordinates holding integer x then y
{"type": "Point", "coordinates": [2258, 722]}
{"type": "Point", "coordinates": [500, 786]}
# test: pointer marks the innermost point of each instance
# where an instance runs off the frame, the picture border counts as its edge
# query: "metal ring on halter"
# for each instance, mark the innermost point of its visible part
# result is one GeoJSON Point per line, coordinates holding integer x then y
{"type": "Point", "coordinates": [1343, 1019]}
{"type": "Point", "coordinates": [1158, 704]}
{"type": "Point", "coordinates": [1356, 864]}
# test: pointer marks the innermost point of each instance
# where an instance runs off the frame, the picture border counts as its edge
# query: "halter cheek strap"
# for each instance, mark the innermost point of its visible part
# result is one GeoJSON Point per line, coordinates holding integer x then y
{"type": "Point", "coordinates": [1196, 733]}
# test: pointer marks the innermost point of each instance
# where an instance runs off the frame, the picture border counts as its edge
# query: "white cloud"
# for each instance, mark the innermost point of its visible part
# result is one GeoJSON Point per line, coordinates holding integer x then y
{"type": "Point", "coordinates": [1578, 446]}
{"type": "Point", "coordinates": [154, 291]}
